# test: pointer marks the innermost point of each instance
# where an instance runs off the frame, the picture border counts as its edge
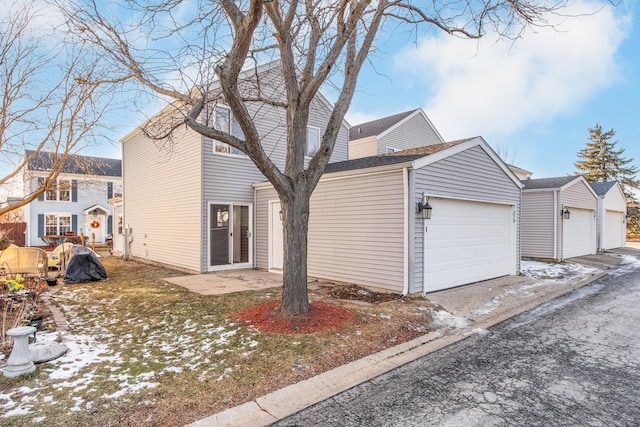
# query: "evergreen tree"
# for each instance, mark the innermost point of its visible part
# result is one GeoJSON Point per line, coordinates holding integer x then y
{"type": "Point", "coordinates": [600, 161]}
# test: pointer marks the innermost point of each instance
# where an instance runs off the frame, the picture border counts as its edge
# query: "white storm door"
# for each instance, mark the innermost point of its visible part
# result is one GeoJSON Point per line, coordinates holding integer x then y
{"type": "Point", "coordinates": [276, 238]}
{"type": "Point", "coordinates": [578, 235]}
{"type": "Point", "coordinates": [466, 242]}
{"type": "Point", "coordinates": [229, 236]}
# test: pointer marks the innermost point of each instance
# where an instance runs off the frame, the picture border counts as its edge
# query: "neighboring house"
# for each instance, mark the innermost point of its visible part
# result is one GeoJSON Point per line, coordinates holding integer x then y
{"type": "Point", "coordinates": [398, 132]}
{"type": "Point", "coordinates": [365, 225]}
{"type": "Point", "coordinates": [558, 218]}
{"type": "Point", "coordinates": [77, 202]}
{"type": "Point", "coordinates": [611, 227]}
{"type": "Point", "coordinates": [192, 206]}
{"type": "Point", "coordinates": [522, 174]}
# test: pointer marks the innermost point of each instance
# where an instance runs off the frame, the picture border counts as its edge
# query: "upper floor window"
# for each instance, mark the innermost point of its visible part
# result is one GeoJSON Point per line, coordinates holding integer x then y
{"type": "Point", "coordinates": [391, 150]}
{"type": "Point", "coordinates": [59, 191]}
{"type": "Point", "coordinates": [223, 120]}
{"type": "Point", "coordinates": [313, 141]}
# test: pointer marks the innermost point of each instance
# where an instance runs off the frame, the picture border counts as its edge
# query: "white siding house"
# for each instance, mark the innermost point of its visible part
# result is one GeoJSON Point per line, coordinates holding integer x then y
{"type": "Point", "coordinates": [398, 132]}
{"type": "Point", "coordinates": [365, 226]}
{"type": "Point", "coordinates": [611, 215]}
{"type": "Point", "coordinates": [558, 218]}
{"type": "Point", "coordinates": [192, 207]}
{"type": "Point", "coordinates": [77, 202]}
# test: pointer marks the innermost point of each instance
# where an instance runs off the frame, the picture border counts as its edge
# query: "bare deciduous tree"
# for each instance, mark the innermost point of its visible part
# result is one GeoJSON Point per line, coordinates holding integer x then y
{"type": "Point", "coordinates": [43, 108]}
{"type": "Point", "coordinates": [176, 48]}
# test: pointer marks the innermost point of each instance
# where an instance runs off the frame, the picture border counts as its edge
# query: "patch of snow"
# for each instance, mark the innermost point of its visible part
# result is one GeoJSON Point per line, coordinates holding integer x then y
{"type": "Point", "coordinates": [446, 319]}
{"type": "Point", "coordinates": [126, 388]}
{"type": "Point", "coordinates": [628, 264]}
{"type": "Point", "coordinates": [553, 271]}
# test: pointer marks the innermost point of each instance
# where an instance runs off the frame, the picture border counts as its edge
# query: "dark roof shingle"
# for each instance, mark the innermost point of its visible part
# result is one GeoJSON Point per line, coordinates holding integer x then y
{"type": "Point", "coordinates": [602, 188]}
{"type": "Point", "coordinates": [75, 164]}
{"type": "Point", "coordinates": [376, 127]}
{"type": "Point", "coordinates": [557, 182]}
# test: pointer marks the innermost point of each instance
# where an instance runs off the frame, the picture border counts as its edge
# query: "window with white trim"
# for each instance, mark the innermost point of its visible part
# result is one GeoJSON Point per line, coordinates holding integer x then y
{"type": "Point", "coordinates": [59, 191]}
{"type": "Point", "coordinates": [57, 224]}
{"type": "Point", "coordinates": [223, 120]}
{"type": "Point", "coordinates": [391, 150]}
{"type": "Point", "coordinates": [313, 141]}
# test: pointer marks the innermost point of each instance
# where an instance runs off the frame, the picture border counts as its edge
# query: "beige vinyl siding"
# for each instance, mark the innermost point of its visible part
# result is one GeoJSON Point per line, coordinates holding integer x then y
{"type": "Point", "coordinates": [537, 224]}
{"type": "Point", "coordinates": [471, 174]}
{"type": "Point", "coordinates": [415, 132]}
{"type": "Point", "coordinates": [356, 230]}
{"type": "Point", "coordinates": [162, 199]}
{"type": "Point", "coordinates": [614, 200]}
{"type": "Point", "coordinates": [364, 147]}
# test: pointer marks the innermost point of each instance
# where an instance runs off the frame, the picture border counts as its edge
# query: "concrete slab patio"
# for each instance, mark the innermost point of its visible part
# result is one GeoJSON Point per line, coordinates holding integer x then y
{"type": "Point", "coordinates": [226, 282]}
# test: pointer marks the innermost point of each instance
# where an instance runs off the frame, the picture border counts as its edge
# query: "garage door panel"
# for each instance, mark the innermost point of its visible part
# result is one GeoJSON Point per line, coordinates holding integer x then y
{"type": "Point", "coordinates": [614, 229]}
{"type": "Point", "coordinates": [467, 242]}
{"type": "Point", "coordinates": [578, 236]}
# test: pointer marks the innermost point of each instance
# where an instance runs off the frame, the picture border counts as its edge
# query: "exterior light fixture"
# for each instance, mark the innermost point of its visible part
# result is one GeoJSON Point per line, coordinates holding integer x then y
{"type": "Point", "coordinates": [425, 209]}
{"type": "Point", "coordinates": [281, 215]}
{"type": "Point", "coordinates": [95, 213]}
{"type": "Point", "coordinates": [566, 213]}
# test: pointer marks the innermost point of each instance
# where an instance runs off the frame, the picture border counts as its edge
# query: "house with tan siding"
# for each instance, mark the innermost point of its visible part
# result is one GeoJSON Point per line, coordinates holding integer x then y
{"type": "Point", "coordinates": [558, 218]}
{"type": "Point", "coordinates": [368, 219]}
{"type": "Point", "coordinates": [410, 129]}
{"type": "Point", "coordinates": [189, 203]}
{"type": "Point", "coordinates": [611, 226]}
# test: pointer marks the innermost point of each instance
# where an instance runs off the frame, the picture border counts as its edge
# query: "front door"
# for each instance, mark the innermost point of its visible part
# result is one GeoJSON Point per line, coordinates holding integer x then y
{"type": "Point", "coordinates": [229, 236]}
{"type": "Point", "coordinates": [96, 226]}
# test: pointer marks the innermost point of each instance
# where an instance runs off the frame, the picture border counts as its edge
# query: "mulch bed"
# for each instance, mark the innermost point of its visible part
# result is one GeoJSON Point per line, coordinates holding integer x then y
{"type": "Point", "coordinates": [269, 318]}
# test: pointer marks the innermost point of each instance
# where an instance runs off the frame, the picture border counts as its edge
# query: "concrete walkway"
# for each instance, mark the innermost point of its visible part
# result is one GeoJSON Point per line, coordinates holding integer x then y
{"type": "Point", "coordinates": [503, 295]}
{"type": "Point", "coordinates": [226, 282]}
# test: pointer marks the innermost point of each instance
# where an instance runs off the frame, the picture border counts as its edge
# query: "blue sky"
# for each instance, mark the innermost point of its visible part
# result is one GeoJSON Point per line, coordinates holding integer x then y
{"type": "Point", "coordinates": [533, 100]}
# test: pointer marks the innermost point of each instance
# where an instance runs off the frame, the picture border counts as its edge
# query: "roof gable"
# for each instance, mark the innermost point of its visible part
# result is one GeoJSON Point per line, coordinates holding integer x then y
{"type": "Point", "coordinates": [376, 127]}
{"type": "Point", "coordinates": [602, 188]}
{"type": "Point", "coordinates": [548, 183]}
{"type": "Point", "coordinates": [43, 161]}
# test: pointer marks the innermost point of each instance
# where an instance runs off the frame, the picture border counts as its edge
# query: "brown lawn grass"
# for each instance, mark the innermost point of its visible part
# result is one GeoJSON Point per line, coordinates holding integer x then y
{"type": "Point", "coordinates": [167, 357]}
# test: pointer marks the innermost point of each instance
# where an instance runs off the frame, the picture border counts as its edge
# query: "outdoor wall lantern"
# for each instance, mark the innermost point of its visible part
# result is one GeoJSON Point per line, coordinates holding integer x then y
{"type": "Point", "coordinates": [95, 213]}
{"type": "Point", "coordinates": [425, 209]}
{"type": "Point", "coordinates": [281, 215]}
{"type": "Point", "coordinates": [566, 213]}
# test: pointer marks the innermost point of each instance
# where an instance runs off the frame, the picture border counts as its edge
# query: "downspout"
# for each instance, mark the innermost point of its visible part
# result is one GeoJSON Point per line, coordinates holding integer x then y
{"type": "Point", "coordinates": [408, 230]}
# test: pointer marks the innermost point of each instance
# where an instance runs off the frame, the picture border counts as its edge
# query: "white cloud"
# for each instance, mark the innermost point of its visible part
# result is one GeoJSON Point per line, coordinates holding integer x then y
{"type": "Point", "coordinates": [498, 88]}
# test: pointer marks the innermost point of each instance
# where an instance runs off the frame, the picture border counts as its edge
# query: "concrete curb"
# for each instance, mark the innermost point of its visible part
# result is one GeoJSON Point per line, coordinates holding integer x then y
{"type": "Point", "coordinates": [287, 401]}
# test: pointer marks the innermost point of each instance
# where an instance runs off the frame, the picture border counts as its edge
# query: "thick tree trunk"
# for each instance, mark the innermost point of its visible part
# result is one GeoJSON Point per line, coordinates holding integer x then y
{"type": "Point", "coordinates": [295, 298]}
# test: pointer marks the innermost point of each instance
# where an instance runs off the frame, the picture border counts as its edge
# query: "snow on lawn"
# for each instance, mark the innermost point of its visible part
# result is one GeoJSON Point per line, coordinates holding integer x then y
{"type": "Point", "coordinates": [99, 354]}
{"type": "Point", "coordinates": [554, 271]}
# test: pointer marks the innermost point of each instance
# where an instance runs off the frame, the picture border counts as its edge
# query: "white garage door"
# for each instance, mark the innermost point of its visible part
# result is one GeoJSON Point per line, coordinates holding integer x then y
{"type": "Point", "coordinates": [614, 229]}
{"type": "Point", "coordinates": [467, 242]}
{"type": "Point", "coordinates": [578, 234]}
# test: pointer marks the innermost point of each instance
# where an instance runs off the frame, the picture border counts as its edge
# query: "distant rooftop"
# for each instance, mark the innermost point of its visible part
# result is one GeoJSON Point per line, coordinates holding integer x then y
{"type": "Point", "coordinates": [75, 164]}
{"type": "Point", "coordinates": [531, 184]}
{"type": "Point", "coordinates": [376, 127]}
{"type": "Point", "coordinates": [602, 188]}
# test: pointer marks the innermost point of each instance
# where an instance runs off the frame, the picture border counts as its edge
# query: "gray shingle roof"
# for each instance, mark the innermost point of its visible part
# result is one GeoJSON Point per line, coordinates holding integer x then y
{"type": "Point", "coordinates": [75, 164]}
{"type": "Point", "coordinates": [391, 158]}
{"type": "Point", "coordinates": [376, 127]}
{"type": "Point", "coordinates": [602, 188]}
{"type": "Point", "coordinates": [530, 184]}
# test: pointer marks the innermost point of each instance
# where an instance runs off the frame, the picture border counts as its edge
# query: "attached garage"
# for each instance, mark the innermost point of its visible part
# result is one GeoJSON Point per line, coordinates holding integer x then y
{"type": "Point", "coordinates": [611, 215]}
{"type": "Point", "coordinates": [558, 218]}
{"type": "Point", "coordinates": [365, 226]}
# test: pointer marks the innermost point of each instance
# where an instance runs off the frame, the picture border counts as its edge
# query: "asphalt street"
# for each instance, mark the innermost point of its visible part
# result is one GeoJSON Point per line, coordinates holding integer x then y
{"type": "Point", "coordinates": [572, 361]}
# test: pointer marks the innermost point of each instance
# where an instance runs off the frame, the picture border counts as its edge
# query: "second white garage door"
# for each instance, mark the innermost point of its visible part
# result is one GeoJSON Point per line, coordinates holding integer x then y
{"type": "Point", "coordinates": [466, 242]}
{"type": "Point", "coordinates": [614, 229]}
{"type": "Point", "coordinates": [578, 235]}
